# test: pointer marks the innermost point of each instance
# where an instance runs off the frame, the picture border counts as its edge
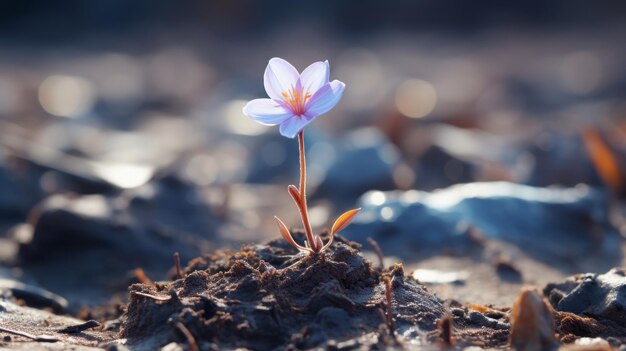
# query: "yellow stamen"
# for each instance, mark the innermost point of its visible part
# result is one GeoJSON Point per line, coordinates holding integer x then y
{"type": "Point", "coordinates": [296, 100]}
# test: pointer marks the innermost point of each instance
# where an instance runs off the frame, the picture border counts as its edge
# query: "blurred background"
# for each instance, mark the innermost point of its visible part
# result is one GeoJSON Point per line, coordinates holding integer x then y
{"type": "Point", "coordinates": [122, 138]}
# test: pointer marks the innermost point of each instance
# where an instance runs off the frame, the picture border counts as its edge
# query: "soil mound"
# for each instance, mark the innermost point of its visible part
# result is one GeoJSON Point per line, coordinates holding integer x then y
{"type": "Point", "coordinates": [271, 297]}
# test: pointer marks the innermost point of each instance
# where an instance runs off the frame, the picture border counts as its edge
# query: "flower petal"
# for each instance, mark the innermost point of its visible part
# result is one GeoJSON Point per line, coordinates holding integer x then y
{"type": "Point", "coordinates": [267, 111]}
{"type": "Point", "coordinates": [291, 127]}
{"type": "Point", "coordinates": [280, 76]}
{"type": "Point", "coordinates": [324, 99]}
{"type": "Point", "coordinates": [315, 76]}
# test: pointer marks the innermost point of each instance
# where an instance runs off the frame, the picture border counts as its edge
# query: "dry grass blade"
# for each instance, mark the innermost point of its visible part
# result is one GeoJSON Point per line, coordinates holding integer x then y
{"type": "Point", "coordinates": [284, 231]}
{"type": "Point", "coordinates": [38, 338]}
{"type": "Point", "coordinates": [343, 221]}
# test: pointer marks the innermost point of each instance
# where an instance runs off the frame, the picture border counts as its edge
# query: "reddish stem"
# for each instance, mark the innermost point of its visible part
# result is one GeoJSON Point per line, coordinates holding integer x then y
{"type": "Point", "coordinates": [304, 212]}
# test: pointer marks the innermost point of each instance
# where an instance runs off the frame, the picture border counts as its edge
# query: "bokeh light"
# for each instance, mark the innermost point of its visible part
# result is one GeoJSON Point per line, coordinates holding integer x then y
{"type": "Point", "coordinates": [416, 98]}
{"type": "Point", "coordinates": [66, 96]}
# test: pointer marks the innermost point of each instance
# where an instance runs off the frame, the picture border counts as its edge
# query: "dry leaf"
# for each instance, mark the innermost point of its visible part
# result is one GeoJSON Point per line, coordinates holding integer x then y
{"type": "Point", "coordinates": [603, 159]}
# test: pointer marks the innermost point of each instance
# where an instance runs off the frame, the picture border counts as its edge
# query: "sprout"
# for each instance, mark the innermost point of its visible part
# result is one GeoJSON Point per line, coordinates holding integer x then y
{"type": "Point", "coordinates": [296, 99]}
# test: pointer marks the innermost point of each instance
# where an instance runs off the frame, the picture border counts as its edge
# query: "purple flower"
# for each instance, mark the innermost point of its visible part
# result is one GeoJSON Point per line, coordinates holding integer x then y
{"type": "Point", "coordinates": [295, 99]}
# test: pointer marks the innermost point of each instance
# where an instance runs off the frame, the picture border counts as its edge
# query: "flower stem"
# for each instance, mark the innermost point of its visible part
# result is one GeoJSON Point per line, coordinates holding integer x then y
{"type": "Point", "coordinates": [304, 212]}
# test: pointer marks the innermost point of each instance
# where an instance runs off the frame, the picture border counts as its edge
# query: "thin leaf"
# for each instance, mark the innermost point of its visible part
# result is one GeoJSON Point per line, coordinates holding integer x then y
{"type": "Point", "coordinates": [293, 189]}
{"type": "Point", "coordinates": [287, 235]}
{"type": "Point", "coordinates": [339, 224]}
{"type": "Point", "coordinates": [295, 195]}
{"type": "Point", "coordinates": [343, 221]}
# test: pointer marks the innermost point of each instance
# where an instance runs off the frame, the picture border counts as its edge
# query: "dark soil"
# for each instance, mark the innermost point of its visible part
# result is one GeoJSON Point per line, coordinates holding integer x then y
{"type": "Point", "coordinates": [270, 297]}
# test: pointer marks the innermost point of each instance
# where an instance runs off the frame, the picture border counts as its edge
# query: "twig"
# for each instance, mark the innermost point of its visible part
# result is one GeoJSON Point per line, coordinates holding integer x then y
{"type": "Point", "coordinates": [378, 251]}
{"type": "Point", "coordinates": [193, 345]}
{"type": "Point", "coordinates": [179, 271]}
{"type": "Point", "coordinates": [445, 328]}
{"type": "Point", "coordinates": [388, 296]}
{"type": "Point", "coordinates": [222, 208]}
{"type": "Point", "coordinates": [79, 327]}
{"type": "Point", "coordinates": [38, 338]}
{"type": "Point", "coordinates": [150, 296]}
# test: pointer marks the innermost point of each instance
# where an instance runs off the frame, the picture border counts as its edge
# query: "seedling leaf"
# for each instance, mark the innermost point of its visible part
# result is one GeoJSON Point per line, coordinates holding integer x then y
{"type": "Point", "coordinates": [339, 224]}
{"type": "Point", "coordinates": [343, 221]}
{"type": "Point", "coordinates": [295, 194]}
{"type": "Point", "coordinates": [287, 235]}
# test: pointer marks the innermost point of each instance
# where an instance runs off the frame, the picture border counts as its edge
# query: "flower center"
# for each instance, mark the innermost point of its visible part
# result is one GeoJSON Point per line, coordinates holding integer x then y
{"type": "Point", "coordinates": [296, 100]}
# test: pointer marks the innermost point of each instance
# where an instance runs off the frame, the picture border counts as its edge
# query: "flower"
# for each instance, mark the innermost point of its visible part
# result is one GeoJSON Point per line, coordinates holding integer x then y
{"type": "Point", "coordinates": [296, 99]}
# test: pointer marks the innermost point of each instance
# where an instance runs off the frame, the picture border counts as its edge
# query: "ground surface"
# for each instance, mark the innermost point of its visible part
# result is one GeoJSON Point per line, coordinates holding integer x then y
{"type": "Point", "coordinates": [270, 297]}
{"type": "Point", "coordinates": [525, 138]}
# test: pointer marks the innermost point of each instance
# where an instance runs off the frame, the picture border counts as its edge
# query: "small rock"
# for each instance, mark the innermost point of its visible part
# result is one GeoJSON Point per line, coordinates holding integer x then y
{"type": "Point", "coordinates": [482, 320]}
{"type": "Point", "coordinates": [34, 296]}
{"type": "Point", "coordinates": [597, 295]}
{"type": "Point", "coordinates": [434, 276]}
{"type": "Point", "coordinates": [532, 323]}
{"type": "Point", "coordinates": [565, 224]}
{"type": "Point", "coordinates": [173, 346]}
{"type": "Point", "coordinates": [588, 344]}
{"type": "Point", "coordinates": [365, 160]}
